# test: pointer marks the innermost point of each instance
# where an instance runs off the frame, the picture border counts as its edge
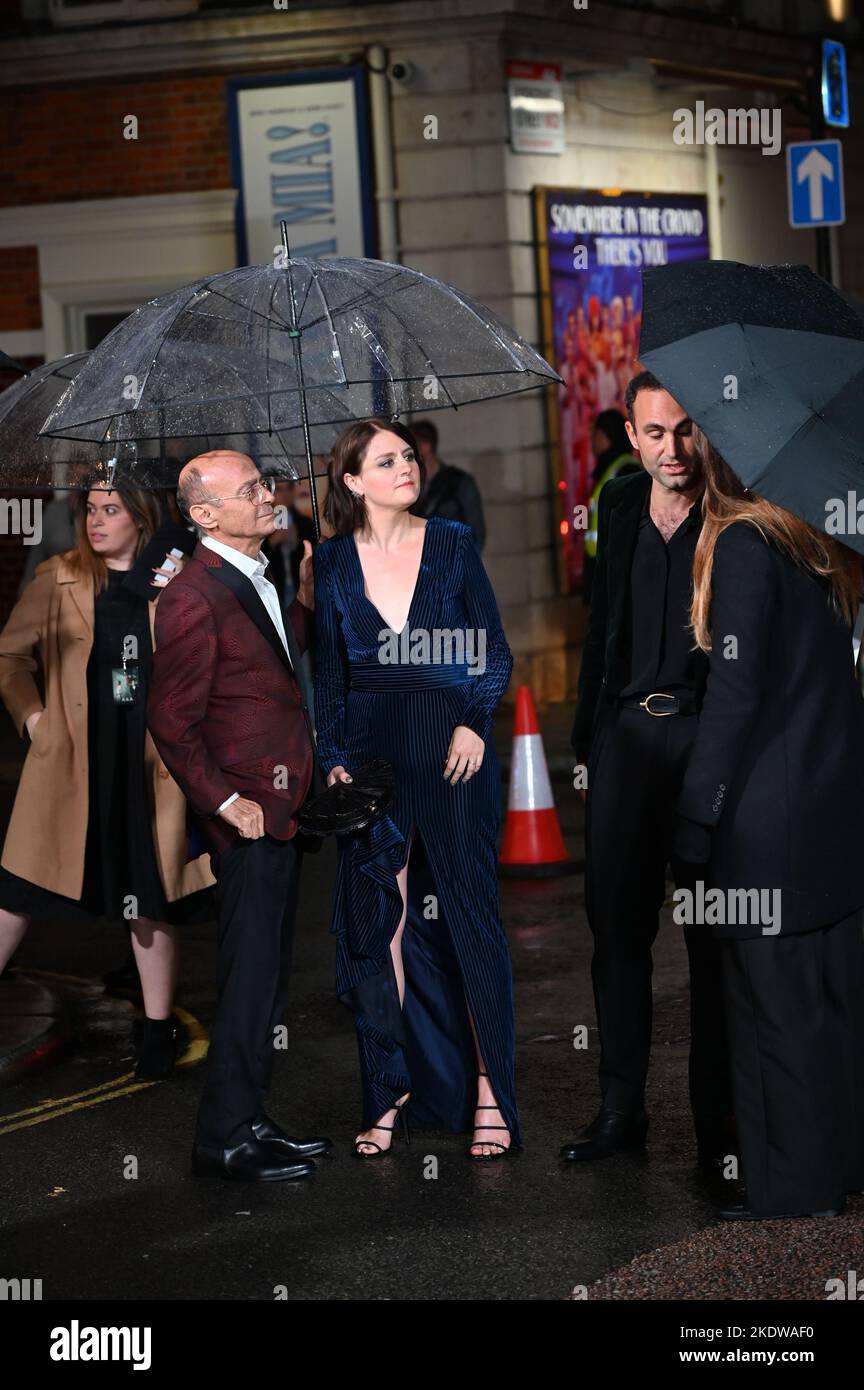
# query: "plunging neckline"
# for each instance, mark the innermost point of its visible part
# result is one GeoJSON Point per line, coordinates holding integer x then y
{"type": "Point", "coordinates": [366, 597]}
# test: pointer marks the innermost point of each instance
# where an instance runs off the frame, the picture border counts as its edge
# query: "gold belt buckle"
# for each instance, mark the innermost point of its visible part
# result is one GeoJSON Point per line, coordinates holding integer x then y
{"type": "Point", "coordinates": [657, 713]}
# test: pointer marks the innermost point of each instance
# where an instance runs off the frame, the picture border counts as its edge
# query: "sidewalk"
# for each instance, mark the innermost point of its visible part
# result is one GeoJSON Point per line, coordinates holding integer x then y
{"type": "Point", "coordinates": [34, 1030]}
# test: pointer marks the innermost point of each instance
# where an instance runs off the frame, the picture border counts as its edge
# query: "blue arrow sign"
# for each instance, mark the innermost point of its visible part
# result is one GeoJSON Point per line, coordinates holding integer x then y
{"type": "Point", "coordinates": [814, 179]}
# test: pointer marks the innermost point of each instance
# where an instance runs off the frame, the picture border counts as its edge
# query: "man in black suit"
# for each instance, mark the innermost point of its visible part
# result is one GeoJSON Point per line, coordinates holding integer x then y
{"type": "Point", "coordinates": [640, 689]}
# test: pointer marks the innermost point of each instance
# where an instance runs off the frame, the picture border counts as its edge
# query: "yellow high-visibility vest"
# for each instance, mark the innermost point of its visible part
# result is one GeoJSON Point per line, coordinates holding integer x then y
{"type": "Point", "coordinates": [594, 502]}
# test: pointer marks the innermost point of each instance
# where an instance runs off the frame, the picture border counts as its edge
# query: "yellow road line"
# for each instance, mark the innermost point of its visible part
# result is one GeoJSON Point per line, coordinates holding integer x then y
{"type": "Point", "coordinates": [107, 1090]}
{"type": "Point", "coordinates": [64, 1100]}
{"type": "Point", "coordinates": [66, 1109]}
{"type": "Point", "coordinates": [199, 1042]}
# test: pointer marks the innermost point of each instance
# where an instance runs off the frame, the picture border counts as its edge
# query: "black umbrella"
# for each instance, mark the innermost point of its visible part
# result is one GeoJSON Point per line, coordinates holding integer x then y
{"type": "Point", "coordinates": [769, 362]}
{"type": "Point", "coordinates": [294, 351]}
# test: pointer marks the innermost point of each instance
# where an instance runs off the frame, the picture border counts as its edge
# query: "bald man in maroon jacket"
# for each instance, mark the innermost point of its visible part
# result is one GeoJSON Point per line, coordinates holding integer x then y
{"type": "Point", "coordinates": [228, 716]}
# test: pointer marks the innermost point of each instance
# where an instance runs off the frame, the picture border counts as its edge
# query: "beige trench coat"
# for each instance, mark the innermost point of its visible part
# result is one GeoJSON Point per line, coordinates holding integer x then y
{"type": "Point", "coordinates": [47, 833]}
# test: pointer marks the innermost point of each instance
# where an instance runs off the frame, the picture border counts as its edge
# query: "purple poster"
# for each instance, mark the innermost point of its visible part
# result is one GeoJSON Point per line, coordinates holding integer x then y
{"type": "Point", "coordinates": [592, 248]}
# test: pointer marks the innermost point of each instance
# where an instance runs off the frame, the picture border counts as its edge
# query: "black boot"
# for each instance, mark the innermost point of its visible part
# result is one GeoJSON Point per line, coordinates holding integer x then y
{"type": "Point", "coordinates": [157, 1047]}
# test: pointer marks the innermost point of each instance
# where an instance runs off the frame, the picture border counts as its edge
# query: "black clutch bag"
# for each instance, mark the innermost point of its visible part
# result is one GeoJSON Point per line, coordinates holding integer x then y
{"type": "Point", "coordinates": [347, 807]}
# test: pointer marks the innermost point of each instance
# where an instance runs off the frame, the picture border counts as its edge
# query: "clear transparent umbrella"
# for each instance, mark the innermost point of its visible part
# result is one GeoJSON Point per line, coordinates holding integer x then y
{"type": "Point", "coordinates": [291, 353]}
{"type": "Point", "coordinates": [36, 463]}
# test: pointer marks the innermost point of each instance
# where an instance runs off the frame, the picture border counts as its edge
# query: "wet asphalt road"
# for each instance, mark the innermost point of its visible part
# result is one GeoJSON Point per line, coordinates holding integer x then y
{"type": "Point", "coordinates": [422, 1224]}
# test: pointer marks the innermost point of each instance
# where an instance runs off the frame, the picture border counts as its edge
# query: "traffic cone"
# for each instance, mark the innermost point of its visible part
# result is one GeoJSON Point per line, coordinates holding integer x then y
{"type": "Point", "coordinates": [533, 844]}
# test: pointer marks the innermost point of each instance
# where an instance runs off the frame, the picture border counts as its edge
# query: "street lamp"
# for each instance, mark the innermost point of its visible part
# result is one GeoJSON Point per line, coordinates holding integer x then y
{"type": "Point", "coordinates": [838, 10]}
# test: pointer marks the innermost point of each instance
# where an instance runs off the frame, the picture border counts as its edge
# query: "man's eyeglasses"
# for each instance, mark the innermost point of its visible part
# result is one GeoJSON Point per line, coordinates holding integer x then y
{"type": "Point", "coordinates": [265, 486]}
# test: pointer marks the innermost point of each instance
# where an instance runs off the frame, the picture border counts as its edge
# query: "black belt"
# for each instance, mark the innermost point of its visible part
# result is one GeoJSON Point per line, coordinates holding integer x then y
{"type": "Point", "coordinates": [659, 703]}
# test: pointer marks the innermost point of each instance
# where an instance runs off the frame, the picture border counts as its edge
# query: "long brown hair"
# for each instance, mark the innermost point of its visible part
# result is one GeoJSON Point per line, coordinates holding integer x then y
{"type": "Point", "coordinates": [725, 502]}
{"type": "Point", "coordinates": [147, 511]}
{"type": "Point", "coordinates": [342, 510]}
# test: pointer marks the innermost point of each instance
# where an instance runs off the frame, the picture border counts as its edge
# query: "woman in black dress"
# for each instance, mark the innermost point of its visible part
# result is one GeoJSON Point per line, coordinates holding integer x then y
{"type": "Point", "coordinates": [422, 953]}
{"type": "Point", "coordinates": [98, 827]}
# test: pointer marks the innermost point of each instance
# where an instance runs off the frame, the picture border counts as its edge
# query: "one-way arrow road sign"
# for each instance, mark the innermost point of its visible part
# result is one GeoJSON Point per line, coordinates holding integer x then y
{"type": "Point", "coordinates": [814, 177]}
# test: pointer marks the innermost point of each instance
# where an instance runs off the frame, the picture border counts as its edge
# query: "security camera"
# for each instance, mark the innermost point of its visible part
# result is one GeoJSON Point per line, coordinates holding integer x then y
{"type": "Point", "coordinates": [403, 73]}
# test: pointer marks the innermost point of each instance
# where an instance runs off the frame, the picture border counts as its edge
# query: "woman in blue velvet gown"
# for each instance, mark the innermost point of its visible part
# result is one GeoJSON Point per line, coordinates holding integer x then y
{"type": "Point", "coordinates": [422, 956]}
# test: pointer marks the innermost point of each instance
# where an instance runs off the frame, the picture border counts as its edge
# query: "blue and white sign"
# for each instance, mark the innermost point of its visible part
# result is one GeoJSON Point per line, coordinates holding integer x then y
{"type": "Point", "coordinates": [835, 89]}
{"type": "Point", "coordinates": [814, 177]}
{"type": "Point", "coordinates": [300, 152]}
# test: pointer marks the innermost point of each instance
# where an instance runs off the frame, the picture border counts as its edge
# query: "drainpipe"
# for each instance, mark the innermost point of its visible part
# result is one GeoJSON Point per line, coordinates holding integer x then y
{"type": "Point", "coordinates": [377, 64]}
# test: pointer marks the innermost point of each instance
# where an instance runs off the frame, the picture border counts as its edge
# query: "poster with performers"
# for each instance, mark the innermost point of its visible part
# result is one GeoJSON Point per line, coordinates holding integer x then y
{"type": "Point", "coordinates": [592, 247]}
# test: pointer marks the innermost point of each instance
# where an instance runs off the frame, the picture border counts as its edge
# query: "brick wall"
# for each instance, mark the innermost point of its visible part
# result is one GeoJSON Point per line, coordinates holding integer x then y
{"type": "Point", "coordinates": [19, 289]}
{"type": "Point", "coordinates": [68, 141]}
{"type": "Point", "coordinates": [68, 145]}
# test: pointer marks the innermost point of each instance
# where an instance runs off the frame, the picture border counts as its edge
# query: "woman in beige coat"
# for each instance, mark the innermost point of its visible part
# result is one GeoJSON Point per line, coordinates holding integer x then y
{"type": "Point", "coordinates": [98, 826]}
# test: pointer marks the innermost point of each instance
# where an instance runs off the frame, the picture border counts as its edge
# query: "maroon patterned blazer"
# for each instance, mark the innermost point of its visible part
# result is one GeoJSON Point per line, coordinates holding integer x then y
{"type": "Point", "coordinates": [225, 709]}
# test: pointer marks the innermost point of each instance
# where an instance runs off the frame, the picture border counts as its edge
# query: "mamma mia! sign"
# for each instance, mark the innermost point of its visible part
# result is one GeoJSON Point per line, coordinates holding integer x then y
{"type": "Point", "coordinates": [299, 149]}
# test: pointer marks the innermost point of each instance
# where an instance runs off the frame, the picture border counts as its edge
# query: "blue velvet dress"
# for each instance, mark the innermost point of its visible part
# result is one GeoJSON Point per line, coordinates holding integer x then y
{"type": "Point", "coordinates": [400, 698]}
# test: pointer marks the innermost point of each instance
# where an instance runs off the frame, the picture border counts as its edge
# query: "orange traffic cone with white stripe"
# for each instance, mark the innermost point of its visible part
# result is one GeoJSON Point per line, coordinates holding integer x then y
{"type": "Point", "coordinates": [533, 844]}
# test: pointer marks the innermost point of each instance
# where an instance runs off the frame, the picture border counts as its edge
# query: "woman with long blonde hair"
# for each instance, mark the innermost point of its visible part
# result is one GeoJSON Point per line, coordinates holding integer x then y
{"type": "Point", "coordinates": [772, 804]}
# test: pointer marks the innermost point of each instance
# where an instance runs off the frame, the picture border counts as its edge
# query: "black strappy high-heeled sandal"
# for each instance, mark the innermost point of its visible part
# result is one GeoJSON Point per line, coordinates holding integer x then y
{"type": "Point", "coordinates": [503, 1149]}
{"type": "Point", "coordinates": [378, 1152]}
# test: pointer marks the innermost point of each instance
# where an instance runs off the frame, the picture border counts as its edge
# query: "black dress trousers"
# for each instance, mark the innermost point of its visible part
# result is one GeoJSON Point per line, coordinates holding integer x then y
{"type": "Point", "coordinates": [256, 891]}
{"type": "Point", "coordinates": [796, 1032]}
{"type": "Point", "coordinates": [635, 769]}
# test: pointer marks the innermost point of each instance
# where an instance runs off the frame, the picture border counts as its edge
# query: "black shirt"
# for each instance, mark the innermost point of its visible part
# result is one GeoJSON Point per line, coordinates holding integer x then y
{"type": "Point", "coordinates": [661, 589]}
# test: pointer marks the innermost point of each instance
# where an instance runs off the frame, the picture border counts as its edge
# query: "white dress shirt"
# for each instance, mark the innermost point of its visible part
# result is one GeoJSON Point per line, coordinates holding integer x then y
{"type": "Point", "coordinates": [266, 590]}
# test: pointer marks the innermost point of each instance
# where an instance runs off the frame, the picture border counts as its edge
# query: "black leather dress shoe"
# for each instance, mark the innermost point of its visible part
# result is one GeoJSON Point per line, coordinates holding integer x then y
{"type": "Point", "coordinates": [266, 1132]}
{"type": "Point", "coordinates": [738, 1211]}
{"type": "Point", "coordinates": [609, 1131]}
{"type": "Point", "coordinates": [248, 1162]}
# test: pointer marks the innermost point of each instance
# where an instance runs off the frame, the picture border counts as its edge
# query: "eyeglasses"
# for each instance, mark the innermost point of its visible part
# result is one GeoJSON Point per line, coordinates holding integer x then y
{"type": "Point", "coordinates": [265, 486]}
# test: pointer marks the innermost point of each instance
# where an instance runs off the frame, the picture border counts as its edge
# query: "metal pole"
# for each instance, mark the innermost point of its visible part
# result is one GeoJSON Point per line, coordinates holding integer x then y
{"type": "Point", "coordinates": [294, 334]}
{"type": "Point", "coordinates": [712, 180]}
{"type": "Point", "coordinates": [817, 129]}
